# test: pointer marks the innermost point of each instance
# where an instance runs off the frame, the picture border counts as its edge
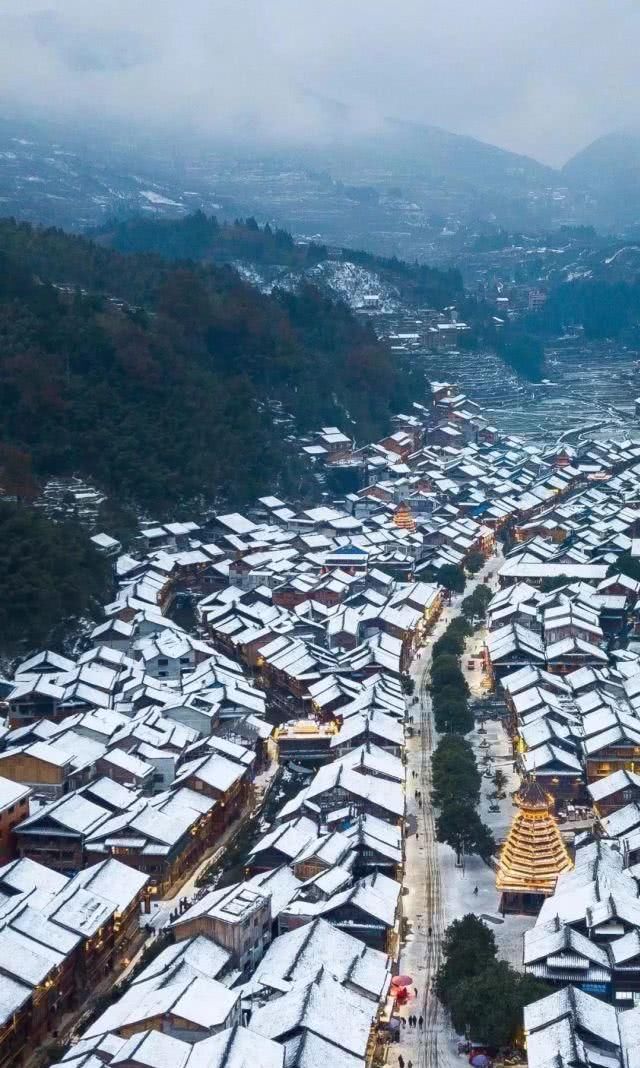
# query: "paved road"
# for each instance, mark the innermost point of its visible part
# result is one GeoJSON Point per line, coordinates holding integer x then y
{"type": "Point", "coordinates": [426, 1047]}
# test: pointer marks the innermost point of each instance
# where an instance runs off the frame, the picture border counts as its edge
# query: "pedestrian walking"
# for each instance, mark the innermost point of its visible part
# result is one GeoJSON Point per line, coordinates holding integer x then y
{"type": "Point", "coordinates": [475, 890]}
{"type": "Point", "coordinates": [404, 1022]}
{"type": "Point", "coordinates": [420, 1022]}
{"type": "Point", "coordinates": [401, 1061]}
{"type": "Point", "coordinates": [409, 1064]}
{"type": "Point", "coordinates": [415, 991]}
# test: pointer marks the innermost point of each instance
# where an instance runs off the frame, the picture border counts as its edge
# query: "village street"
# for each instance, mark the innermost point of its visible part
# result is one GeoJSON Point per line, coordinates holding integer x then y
{"type": "Point", "coordinates": [426, 905]}
{"type": "Point", "coordinates": [161, 910]}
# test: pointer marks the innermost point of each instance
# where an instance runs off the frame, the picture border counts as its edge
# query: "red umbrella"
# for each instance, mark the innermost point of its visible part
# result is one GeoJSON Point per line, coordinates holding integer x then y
{"type": "Point", "coordinates": [401, 980]}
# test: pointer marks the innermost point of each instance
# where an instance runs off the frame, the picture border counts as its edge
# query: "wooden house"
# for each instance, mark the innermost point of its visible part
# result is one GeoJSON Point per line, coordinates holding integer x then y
{"type": "Point", "coordinates": [224, 781]}
{"type": "Point", "coordinates": [165, 839]}
{"type": "Point", "coordinates": [612, 792]}
{"type": "Point", "coordinates": [14, 808]}
{"type": "Point", "coordinates": [237, 918]}
{"type": "Point", "coordinates": [48, 769]}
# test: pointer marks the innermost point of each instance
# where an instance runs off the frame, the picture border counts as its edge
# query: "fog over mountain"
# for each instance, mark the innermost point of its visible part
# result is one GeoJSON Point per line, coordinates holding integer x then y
{"type": "Point", "coordinates": [541, 79]}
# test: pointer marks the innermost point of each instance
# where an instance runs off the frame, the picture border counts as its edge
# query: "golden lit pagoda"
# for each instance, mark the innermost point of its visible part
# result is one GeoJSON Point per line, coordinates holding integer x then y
{"type": "Point", "coordinates": [533, 855]}
{"type": "Point", "coordinates": [403, 517]}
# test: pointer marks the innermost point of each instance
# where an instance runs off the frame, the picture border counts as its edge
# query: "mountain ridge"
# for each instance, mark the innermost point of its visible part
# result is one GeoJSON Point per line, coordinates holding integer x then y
{"type": "Point", "coordinates": [610, 167]}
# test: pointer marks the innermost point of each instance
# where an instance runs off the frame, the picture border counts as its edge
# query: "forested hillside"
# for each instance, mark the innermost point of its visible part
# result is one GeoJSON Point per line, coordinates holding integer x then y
{"type": "Point", "coordinates": [166, 393]}
{"type": "Point", "coordinates": [50, 576]}
{"type": "Point", "coordinates": [201, 237]}
{"type": "Point", "coordinates": [204, 239]}
{"type": "Point", "coordinates": [604, 309]}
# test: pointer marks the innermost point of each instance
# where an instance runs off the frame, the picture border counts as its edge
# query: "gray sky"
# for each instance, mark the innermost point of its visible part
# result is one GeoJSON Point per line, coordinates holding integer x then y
{"type": "Point", "coordinates": [542, 77]}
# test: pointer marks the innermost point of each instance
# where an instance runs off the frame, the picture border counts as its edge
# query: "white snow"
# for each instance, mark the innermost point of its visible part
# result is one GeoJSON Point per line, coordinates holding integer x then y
{"type": "Point", "coordinates": [156, 198]}
{"type": "Point", "coordinates": [345, 280]}
{"type": "Point", "coordinates": [625, 248]}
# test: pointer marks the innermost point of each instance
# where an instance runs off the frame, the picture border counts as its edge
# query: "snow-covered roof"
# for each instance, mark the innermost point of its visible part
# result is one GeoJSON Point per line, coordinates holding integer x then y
{"type": "Point", "coordinates": [299, 955]}
{"type": "Point", "coordinates": [323, 1007]}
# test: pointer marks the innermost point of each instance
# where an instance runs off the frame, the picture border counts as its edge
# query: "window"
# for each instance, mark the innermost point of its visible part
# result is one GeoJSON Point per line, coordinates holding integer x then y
{"type": "Point", "coordinates": [185, 660]}
{"type": "Point", "coordinates": [162, 674]}
{"type": "Point", "coordinates": [162, 661]}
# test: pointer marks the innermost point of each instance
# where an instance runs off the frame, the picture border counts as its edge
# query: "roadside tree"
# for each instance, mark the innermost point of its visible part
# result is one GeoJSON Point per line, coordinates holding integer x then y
{"type": "Point", "coordinates": [468, 948]}
{"type": "Point", "coordinates": [460, 826]}
{"type": "Point", "coordinates": [452, 578]}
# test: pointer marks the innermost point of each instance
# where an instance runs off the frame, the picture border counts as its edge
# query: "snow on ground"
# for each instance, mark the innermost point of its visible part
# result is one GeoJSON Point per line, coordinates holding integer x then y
{"type": "Point", "coordinates": [495, 745]}
{"type": "Point", "coordinates": [458, 899]}
{"type": "Point", "coordinates": [354, 284]}
{"type": "Point", "coordinates": [493, 740]}
{"type": "Point", "coordinates": [489, 740]}
{"type": "Point", "coordinates": [437, 891]}
{"type": "Point", "coordinates": [350, 283]}
{"type": "Point", "coordinates": [156, 198]}
{"type": "Point", "coordinates": [252, 276]}
{"type": "Point", "coordinates": [458, 883]}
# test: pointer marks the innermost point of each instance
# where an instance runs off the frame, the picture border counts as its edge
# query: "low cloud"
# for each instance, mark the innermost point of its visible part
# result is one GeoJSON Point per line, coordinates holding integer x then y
{"type": "Point", "coordinates": [542, 78]}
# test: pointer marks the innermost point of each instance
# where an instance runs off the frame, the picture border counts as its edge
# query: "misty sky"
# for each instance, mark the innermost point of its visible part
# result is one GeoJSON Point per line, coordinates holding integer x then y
{"type": "Point", "coordinates": [542, 77]}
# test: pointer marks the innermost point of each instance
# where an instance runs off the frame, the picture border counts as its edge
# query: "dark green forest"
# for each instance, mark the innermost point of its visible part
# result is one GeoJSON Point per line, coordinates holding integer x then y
{"type": "Point", "coordinates": [603, 309]}
{"type": "Point", "coordinates": [202, 238]}
{"type": "Point", "coordinates": [50, 575]}
{"type": "Point", "coordinates": [159, 380]}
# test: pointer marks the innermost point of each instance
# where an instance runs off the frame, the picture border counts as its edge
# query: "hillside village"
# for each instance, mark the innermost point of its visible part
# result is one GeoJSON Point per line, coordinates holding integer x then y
{"type": "Point", "coordinates": [129, 771]}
